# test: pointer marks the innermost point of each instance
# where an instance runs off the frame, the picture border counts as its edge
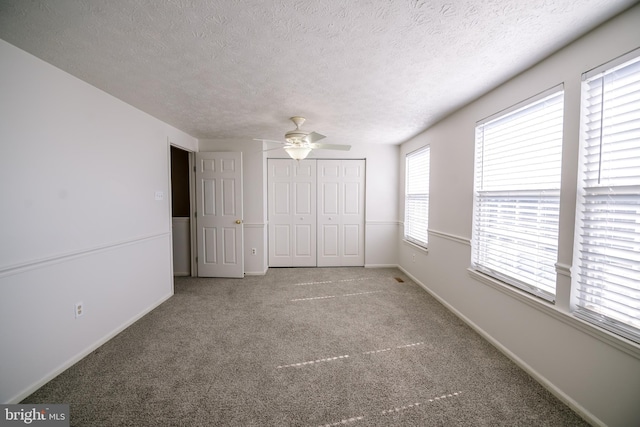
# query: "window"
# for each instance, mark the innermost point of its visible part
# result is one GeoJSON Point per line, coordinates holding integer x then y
{"type": "Point", "coordinates": [607, 283]}
{"type": "Point", "coordinates": [517, 194]}
{"type": "Point", "coordinates": [416, 200]}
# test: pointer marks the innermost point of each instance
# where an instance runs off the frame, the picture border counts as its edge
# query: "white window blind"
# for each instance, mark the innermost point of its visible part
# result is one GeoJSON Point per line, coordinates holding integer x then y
{"type": "Point", "coordinates": [607, 285]}
{"type": "Point", "coordinates": [517, 190]}
{"type": "Point", "coordinates": [416, 209]}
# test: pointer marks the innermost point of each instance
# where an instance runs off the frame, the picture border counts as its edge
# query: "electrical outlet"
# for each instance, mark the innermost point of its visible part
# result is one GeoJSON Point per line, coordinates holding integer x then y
{"type": "Point", "coordinates": [79, 309]}
{"type": "Point", "coordinates": [253, 251]}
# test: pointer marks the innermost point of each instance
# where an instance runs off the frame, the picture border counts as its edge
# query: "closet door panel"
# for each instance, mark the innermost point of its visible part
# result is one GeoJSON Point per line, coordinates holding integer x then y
{"type": "Point", "coordinates": [341, 212]}
{"type": "Point", "coordinates": [292, 213]}
{"type": "Point", "coordinates": [303, 242]}
{"type": "Point", "coordinates": [316, 212]}
{"type": "Point", "coordinates": [330, 236]}
{"type": "Point", "coordinates": [352, 233]}
{"type": "Point", "coordinates": [304, 213]}
{"type": "Point", "coordinates": [282, 241]}
{"type": "Point", "coordinates": [352, 199]}
{"type": "Point", "coordinates": [280, 213]}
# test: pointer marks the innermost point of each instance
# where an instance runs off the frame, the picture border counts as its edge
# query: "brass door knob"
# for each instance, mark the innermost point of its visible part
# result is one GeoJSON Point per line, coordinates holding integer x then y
{"type": "Point", "coordinates": [238, 221]}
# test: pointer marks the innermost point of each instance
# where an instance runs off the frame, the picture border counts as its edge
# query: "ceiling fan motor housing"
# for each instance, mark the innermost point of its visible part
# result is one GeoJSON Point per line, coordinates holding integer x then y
{"type": "Point", "coordinates": [296, 136]}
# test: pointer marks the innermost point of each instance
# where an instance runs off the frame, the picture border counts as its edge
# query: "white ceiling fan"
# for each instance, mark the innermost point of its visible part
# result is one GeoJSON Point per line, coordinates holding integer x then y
{"type": "Point", "coordinates": [299, 143]}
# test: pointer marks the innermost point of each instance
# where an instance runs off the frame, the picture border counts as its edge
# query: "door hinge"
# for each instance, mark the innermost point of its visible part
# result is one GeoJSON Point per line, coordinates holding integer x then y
{"type": "Point", "coordinates": [195, 214]}
{"type": "Point", "coordinates": [194, 168]}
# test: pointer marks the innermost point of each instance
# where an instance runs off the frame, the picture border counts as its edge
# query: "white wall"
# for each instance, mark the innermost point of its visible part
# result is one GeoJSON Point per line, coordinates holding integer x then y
{"type": "Point", "coordinates": [381, 198]}
{"type": "Point", "coordinates": [78, 219]}
{"type": "Point", "coordinates": [594, 372]}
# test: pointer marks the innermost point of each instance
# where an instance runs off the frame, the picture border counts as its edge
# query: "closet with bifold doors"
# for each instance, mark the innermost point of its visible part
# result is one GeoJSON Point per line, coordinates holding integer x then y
{"type": "Point", "coordinates": [316, 212]}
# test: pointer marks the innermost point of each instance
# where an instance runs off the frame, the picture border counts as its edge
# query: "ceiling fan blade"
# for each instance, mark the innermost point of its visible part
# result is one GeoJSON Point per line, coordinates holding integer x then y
{"type": "Point", "coordinates": [313, 137]}
{"type": "Point", "coordinates": [331, 147]}
{"type": "Point", "coordinates": [269, 140]}
{"type": "Point", "coordinates": [271, 149]}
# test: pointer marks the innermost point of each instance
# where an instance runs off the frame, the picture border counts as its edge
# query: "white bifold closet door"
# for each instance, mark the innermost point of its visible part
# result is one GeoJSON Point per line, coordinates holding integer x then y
{"type": "Point", "coordinates": [316, 212]}
{"type": "Point", "coordinates": [292, 213]}
{"type": "Point", "coordinates": [340, 213]}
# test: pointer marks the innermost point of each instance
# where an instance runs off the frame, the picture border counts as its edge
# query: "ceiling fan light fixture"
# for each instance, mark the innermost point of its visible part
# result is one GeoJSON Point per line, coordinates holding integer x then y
{"type": "Point", "coordinates": [297, 153]}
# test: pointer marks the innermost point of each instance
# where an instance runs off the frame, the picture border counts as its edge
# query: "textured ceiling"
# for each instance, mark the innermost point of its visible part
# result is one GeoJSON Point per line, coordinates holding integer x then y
{"type": "Point", "coordinates": [376, 71]}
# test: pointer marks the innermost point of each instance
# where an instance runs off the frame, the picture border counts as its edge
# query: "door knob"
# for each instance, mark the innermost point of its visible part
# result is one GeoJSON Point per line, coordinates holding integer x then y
{"type": "Point", "coordinates": [238, 221]}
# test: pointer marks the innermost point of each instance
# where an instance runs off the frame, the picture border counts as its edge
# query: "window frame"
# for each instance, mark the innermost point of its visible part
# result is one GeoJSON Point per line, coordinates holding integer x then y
{"type": "Point", "coordinates": [479, 251]}
{"type": "Point", "coordinates": [419, 239]}
{"type": "Point", "coordinates": [586, 303]}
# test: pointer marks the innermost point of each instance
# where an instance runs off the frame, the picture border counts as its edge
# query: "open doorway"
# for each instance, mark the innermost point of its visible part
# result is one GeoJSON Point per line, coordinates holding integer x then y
{"type": "Point", "coordinates": [181, 212]}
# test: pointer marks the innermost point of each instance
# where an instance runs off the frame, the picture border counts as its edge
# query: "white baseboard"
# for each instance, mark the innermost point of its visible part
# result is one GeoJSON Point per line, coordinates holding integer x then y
{"type": "Point", "coordinates": [256, 273]}
{"type": "Point", "coordinates": [381, 266]}
{"type": "Point", "coordinates": [580, 410]}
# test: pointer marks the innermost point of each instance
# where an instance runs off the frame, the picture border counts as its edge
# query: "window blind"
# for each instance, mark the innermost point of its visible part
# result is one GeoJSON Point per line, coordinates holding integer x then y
{"type": "Point", "coordinates": [517, 190]}
{"type": "Point", "coordinates": [416, 211]}
{"type": "Point", "coordinates": [608, 217]}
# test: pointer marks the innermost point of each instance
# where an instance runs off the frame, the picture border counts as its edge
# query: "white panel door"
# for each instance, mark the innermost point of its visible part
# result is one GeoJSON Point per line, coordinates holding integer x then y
{"type": "Point", "coordinates": [219, 214]}
{"type": "Point", "coordinates": [292, 213]}
{"type": "Point", "coordinates": [341, 213]}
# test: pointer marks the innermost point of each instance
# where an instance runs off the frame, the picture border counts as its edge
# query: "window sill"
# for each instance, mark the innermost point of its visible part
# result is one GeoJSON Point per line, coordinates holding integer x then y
{"type": "Point", "coordinates": [416, 246]}
{"type": "Point", "coordinates": [567, 318]}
